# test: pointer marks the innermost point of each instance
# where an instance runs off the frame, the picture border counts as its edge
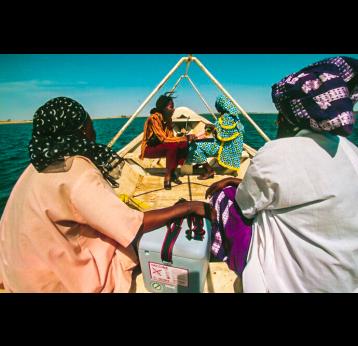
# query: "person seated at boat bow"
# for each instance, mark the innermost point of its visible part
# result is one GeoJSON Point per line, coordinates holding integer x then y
{"type": "Point", "coordinates": [63, 228]}
{"type": "Point", "coordinates": [159, 140]}
{"type": "Point", "coordinates": [226, 144]}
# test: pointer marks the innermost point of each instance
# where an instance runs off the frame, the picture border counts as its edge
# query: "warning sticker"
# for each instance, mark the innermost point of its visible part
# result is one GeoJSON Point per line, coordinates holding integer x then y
{"type": "Point", "coordinates": [168, 275]}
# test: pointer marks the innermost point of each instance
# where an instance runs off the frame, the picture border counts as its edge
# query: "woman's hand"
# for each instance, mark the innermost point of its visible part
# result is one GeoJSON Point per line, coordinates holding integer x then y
{"type": "Point", "coordinates": [154, 219]}
{"type": "Point", "coordinates": [220, 185]}
{"type": "Point", "coordinates": [204, 210]}
{"type": "Point", "coordinates": [211, 127]}
{"type": "Point", "coordinates": [191, 137]}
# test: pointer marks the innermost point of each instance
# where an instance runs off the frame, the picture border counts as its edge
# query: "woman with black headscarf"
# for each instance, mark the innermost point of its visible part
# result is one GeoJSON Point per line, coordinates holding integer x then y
{"type": "Point", "coordinates": [63, 228]}
{"type": "Point", "coordinates": [62, 127]}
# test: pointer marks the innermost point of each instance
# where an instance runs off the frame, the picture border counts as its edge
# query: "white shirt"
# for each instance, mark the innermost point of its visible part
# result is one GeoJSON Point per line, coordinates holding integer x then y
{"type": "Point", "coordinates": [303, 193]}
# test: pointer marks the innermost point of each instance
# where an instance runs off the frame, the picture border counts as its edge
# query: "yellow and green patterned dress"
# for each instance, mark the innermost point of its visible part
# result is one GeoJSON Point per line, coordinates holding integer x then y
{"type": "Point", "coordinates": [228, 144]}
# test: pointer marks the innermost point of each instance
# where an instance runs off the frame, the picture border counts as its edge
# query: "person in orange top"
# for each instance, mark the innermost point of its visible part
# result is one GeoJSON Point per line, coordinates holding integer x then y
{"type": "Point", "coordinates": [159, 140]}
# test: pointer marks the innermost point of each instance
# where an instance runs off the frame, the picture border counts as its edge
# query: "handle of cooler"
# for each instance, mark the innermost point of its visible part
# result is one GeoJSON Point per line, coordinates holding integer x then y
{"type": "Point", "coordinates": [171, 236]}
{"type": "Point", "coordinates": [196, 231]}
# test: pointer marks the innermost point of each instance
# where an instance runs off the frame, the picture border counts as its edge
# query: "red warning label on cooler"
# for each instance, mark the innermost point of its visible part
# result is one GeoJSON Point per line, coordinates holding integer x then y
{"type": "Point", "coordinates": [168, 275]}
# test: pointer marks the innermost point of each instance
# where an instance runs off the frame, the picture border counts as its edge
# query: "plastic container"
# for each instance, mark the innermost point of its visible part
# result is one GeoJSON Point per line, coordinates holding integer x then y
{"type": "Point", "coordinates": [190, 261]}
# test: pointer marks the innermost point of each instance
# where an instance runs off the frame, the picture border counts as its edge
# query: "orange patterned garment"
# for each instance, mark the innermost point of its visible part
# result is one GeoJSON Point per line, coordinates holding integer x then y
{"type": "Point", "coordinates": [164, 131]}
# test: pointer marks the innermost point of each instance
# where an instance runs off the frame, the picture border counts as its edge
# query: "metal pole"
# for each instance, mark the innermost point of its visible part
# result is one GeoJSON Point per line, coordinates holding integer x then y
{"type": "Point", "coordinates": [262, 134]}
{"type": "Point", "coordinates": [188, 62]}
{"type": "Point", "coordinates": [176, 84]}
{"type": "Point", "coordinates": [146, 101]}
{"type": "Point", "coordinates": [202, 98]}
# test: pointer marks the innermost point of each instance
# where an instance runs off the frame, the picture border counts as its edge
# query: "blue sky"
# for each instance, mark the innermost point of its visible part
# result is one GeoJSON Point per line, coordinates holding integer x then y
{"type": "Point", "coordinates": [116, 84]}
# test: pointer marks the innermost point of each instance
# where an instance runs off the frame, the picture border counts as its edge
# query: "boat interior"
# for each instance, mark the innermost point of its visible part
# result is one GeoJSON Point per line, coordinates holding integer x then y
{"type": "Point", "coordinates": [141, 181]}
{"type": "Point", "coordinates": [141, 187]}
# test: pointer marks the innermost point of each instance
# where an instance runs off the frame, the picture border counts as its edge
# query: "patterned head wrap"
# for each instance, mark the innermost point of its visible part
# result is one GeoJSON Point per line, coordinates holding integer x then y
{"type": "Point", "coordinates": [58, 132]}
{"type": "Point", "coordinates": [224, 105]}
{"type": "Point", "coordinates": [320, 96]}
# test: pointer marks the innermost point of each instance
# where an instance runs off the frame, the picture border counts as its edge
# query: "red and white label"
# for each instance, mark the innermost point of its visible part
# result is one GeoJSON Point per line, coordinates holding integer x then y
{"type": "Point", "coordinates": [168, 275]}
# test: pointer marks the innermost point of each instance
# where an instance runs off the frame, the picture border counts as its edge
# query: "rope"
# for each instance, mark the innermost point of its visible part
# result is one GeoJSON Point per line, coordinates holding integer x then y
{"type": "Point", "coordinates": [142, 206]}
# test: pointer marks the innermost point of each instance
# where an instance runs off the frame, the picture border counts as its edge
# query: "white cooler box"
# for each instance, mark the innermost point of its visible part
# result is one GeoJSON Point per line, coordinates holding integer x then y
{"type": "Point", "coordinates": [189, 263]}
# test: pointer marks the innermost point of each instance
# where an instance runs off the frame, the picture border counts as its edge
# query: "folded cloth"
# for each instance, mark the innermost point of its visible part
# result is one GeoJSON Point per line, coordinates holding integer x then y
{"type": "Point", "coordinates": [231, 234]}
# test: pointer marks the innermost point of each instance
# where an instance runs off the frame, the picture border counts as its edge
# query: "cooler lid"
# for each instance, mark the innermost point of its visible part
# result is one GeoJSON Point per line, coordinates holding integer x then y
{"type": "Point", "coordinates": [183, 247]}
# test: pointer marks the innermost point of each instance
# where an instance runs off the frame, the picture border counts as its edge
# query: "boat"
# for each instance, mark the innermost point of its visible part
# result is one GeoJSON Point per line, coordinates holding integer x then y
{"type": "Point", "coordinates": [141, 181]}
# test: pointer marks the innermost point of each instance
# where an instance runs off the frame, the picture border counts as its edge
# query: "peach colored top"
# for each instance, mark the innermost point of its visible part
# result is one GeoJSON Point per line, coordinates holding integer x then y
{"type": "Point", "coordinates": [67, 232]}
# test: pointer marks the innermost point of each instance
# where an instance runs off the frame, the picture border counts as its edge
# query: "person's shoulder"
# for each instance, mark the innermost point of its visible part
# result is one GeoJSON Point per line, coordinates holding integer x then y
{"type": "Point", "coordinates": [346, 140]}
{"type": "Point", "coordinates": [82, 164]}
{"type": "Point", "coordinates": [273, 156]}
{"type": "Point", "coordinates": [278, 145]}
{"type": "Point", "coordinates": [153, 117]}
{"type": "Point", "coordinates": [279, 149]}
{"type": "Point", "coordinates": [349, 143]}
{"type": "Point", "coordinates": [85, 173]}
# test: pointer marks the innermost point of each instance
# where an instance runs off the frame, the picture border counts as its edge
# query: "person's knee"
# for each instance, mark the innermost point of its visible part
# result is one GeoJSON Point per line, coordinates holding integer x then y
{"type": "Point", "coordinates": [183, 145]}
{"type": "Point", "coordinates": [173, 149]}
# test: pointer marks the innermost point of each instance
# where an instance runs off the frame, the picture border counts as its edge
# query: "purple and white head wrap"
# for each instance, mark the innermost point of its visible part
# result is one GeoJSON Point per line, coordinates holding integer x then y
{"type": "Point", "coordinates": [320, 96]}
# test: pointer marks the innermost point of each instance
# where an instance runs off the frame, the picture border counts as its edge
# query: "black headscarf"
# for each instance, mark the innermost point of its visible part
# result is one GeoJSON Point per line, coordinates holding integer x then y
{"type": "Point", "coordinates": [58, 132]}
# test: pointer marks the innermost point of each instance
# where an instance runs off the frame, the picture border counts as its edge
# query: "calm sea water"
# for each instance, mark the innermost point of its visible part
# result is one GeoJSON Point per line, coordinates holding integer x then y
{"type": "Point", "coordinates": [14, 139]}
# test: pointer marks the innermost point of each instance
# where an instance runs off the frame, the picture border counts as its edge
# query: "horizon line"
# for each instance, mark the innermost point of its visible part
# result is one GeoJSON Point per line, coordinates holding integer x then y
{"type": "Point", "coordinates": [121, 116]}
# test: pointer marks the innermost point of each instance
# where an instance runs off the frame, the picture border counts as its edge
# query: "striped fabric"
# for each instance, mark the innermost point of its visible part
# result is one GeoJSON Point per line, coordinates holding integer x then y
{"type": "Point", "coordinates": [164, 132]}
{"type": "Point", "coordinates": [231, 233]}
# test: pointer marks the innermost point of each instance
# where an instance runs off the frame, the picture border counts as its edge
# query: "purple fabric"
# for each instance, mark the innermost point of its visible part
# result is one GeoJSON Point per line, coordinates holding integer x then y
{"type": "Point", "coordinates": [231, 234]}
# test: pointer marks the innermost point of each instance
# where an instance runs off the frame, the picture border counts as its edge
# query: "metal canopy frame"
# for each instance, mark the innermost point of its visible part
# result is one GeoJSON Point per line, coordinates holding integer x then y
{"type": "Point", "coordinates": [189, 59]}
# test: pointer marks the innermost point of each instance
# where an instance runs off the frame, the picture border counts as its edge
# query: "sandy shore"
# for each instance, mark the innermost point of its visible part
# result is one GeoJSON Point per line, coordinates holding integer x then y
{"type": "Point", "coordinates": [5, 122]}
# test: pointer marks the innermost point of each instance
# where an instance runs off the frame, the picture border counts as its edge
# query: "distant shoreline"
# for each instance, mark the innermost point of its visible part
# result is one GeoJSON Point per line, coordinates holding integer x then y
{"type": "Point", "coordinates": [6, 122]}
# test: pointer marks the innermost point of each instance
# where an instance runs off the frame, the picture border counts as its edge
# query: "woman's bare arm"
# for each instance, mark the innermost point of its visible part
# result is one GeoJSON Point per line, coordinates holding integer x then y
{"type": "Point", "coordinates": [219, 185]}
{"type": "Point", "coordinates": [157, 218]}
